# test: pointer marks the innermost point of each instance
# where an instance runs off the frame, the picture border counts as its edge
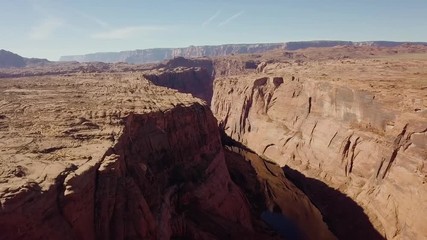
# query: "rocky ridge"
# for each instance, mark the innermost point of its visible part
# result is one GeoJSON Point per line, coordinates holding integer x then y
{"type": "Point", "coordinates": [161, 54]}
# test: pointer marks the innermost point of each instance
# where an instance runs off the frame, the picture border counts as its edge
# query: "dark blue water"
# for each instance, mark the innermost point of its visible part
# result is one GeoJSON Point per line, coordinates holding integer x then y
{"type": "Point", "coordinates": [282, 225]}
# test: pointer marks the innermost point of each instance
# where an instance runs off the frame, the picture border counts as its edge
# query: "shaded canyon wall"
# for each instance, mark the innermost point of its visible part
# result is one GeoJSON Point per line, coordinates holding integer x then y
{"type": "Point", "coordinates": [164, 177]}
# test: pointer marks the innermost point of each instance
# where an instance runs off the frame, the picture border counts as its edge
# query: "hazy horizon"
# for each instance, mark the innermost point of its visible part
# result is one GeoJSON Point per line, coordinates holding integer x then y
{"type": "Point", "coordinates": [50, 29]}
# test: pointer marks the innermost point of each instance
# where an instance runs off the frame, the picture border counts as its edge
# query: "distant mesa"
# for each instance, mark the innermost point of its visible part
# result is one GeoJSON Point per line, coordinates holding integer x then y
{"type": "Point", "coordinates": [12, 60]}
{"type": "Point", "coordinates": [157, 55]}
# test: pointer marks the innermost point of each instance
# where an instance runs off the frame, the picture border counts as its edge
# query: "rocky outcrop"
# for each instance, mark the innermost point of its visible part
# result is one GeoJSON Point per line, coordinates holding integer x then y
{"type": "Point", "coordinates": [165, 171]}
{"type": "Point", "coordinates": [204, 63]}
{"type": "Point", "coordinates": [338, 134]}
{"type": "Point", "coordinates": [197, 81]}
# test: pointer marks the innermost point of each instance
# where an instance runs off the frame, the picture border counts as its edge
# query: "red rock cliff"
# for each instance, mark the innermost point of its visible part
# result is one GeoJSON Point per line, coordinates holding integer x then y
{"type": "Point", "coordinates": [197, 81]}
{"type": "Point", "coordinates": [123, 161]}
{"type": "Point", "coordinates": [338, 134]}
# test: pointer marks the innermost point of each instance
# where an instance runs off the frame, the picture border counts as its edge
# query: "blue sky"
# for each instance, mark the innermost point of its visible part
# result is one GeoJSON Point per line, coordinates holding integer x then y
{"type": "Point", "coordinates": [51, 28]}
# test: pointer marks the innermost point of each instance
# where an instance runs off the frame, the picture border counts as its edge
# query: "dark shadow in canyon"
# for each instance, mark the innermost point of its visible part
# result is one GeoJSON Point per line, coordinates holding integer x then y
{"type": "Point", "coordinates": [344, 216]}
{"type": "Point", "coordinates": [244, 175]}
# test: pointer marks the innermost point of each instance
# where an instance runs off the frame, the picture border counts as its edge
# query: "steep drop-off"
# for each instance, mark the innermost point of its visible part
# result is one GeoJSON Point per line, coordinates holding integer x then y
{"type": "Point", "coordinates": [273, 197]}
{"type": "Point", "coordinates": [115, 157]}
{"type": "Point", "coordinates": [194, 80]}
{"type": "Point", "coordinates": [113, 160]}
{"type": "Point", "coordinates": [339, 134]}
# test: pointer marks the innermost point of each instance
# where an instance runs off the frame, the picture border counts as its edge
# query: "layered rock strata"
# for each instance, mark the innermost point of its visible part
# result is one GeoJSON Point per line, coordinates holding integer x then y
{"type": "Point", "coordinates": [195, 80]}
{"type": "Point", "coordinates": [112, 156]}
{"type": "Point", "coordinates": [161, 54]}
{"type": "Point", "coordinates": [115, 159]}
{"type": "Point", "coordinates": [339, 123]}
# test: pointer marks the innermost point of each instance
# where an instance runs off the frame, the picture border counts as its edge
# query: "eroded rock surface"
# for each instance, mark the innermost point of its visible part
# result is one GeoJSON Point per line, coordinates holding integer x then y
{"type": "Point", "coordinates": [195, 80]}
{"type": "Point", "coordinates": [358, 125]}
{"type": "Point", "coordinates": [111, 156]}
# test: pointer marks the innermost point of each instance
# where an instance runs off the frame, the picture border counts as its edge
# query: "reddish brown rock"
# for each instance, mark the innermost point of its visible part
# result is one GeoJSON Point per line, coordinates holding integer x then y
{"type": "Point", "coordinates": [271, 193]}
{"type": "Point", "coordinates": [197, 81]}
{"type": "Point", "coordinates": [111, 164]}
{"type": "Point", "coordinates": [345, 124]}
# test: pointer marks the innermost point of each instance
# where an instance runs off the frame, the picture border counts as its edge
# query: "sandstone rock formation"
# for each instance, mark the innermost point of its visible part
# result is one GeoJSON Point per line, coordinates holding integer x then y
{"type": "Point", "coordinates": [98, 151]}
{"type": "Point", "coordinates": [112, 156]}
{"type": "Point", "coordinates": [358, 125]}
{"type": "Point", "coordinates": [197, 81]}
{"type": "Point", "coordinates": [12, 60]}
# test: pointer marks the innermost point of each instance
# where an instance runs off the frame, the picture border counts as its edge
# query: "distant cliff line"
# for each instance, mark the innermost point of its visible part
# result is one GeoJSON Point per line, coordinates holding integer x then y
{"type": "Point", "coordinates": [159, 54]}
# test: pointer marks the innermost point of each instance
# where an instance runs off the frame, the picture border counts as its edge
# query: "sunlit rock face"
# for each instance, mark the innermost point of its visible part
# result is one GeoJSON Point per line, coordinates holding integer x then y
{"type": "Point", "coordinates": [370, 146]}
{"type": "Point", "coordinates": [113, 159]}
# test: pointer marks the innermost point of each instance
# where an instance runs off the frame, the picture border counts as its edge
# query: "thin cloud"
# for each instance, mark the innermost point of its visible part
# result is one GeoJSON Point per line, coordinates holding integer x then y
{"type": "Point", "coordinates": [126, 32]}
{"type": "Point", "coordinates": [45, 29]}
{"type": "Point", "coordinates": [98, 21]}
{"type": "Point", "coordinates": [230, 19]}
{"type": "Point", "coordinates": [209, 20]}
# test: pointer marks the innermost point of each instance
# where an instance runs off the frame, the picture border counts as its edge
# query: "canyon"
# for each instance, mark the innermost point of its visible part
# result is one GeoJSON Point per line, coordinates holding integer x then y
{"type": "Point", "coordinates": [358, 126]}
{"type": "Point", "coordinates": [316, 142]}
{"type": "Point", "coordinates": [112, 156]}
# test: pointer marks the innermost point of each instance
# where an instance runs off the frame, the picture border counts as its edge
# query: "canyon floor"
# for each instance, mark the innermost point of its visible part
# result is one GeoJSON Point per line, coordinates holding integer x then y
{"type": "Point", "coordinates": [320, 143]}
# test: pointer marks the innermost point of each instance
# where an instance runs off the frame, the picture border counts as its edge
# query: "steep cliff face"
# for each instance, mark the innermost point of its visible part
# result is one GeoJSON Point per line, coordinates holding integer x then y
{"type": "Point", "coordinates": [273, 197]}
{"type": "Point", "coordinates": [340, 135]}
{"type": "Point", "coordinates": [116, 157]}
{"type": "Point", "coordinates": [126, 159]}
{"type": "Point", "coordinates": [166, 170]}
{"type": "Point", "coordinates": [194, 80]}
